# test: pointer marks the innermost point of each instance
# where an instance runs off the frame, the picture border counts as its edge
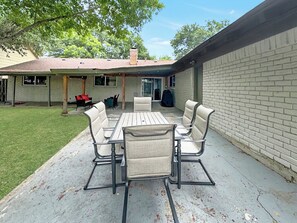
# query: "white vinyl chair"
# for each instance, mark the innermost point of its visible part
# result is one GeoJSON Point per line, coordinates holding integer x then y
{"type": "Point", "coordinates": [188, 117]}
{"type": "Point", "coordinates": [102, 148]}
{"type": "Point", "coordinates": [149, 152]}
{"type": "Point", "coordinates": [142, 104]}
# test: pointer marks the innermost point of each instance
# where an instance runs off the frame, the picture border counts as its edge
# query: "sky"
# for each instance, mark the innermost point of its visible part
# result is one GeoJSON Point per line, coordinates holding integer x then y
{"type": "Point", "coordinates": [176, 13]}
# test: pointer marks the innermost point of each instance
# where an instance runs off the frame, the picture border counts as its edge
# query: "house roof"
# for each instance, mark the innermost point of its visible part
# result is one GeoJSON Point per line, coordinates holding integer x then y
{"type": "Point", "coordinates": [267, 19]}
{"type": "Point", "coordinates": [80, 66]}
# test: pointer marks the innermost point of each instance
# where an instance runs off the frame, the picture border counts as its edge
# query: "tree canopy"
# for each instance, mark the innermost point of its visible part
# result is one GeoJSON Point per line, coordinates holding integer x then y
{"type": "Point", "coordinates": [96, 45]}
{"type": "Point", "coordinates": [190, 36]}
{"type": "Point", "coordinates": [50, 18]}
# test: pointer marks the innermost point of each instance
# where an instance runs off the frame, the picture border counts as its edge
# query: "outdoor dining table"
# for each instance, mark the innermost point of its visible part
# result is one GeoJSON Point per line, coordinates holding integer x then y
{"type": "Point", "coordinates": [139, 118]}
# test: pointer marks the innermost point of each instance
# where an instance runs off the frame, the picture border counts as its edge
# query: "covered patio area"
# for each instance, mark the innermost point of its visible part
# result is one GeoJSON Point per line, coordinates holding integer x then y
{"type": "Point", "coordinates": [245, 190]}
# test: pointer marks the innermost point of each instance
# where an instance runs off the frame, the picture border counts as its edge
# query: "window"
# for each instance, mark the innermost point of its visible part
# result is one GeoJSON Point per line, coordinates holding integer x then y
{"type": "Point", "coordinates": [172, 81]}
{"type": "Point", "coordinates": [105, 81]}
{"type": "Point", "coordinates": [34, 80]}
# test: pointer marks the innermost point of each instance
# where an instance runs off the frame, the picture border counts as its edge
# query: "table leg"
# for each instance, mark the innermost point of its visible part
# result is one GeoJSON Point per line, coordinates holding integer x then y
{"type": "Point", "coordinates": [113, 168]}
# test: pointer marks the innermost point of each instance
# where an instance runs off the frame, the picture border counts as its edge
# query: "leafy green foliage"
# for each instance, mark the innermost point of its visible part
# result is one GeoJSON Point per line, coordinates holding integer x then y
{"type": "Point", "coordinates": [50, 18]}
{"type": "Point", "coordinates": [190, 36]}
{"type": "Point", "coordinates": [165, 57]}
{"type": "Point", "coordinates": [97, 45]}
{"type": "Point", "coordinates": [29, 137]}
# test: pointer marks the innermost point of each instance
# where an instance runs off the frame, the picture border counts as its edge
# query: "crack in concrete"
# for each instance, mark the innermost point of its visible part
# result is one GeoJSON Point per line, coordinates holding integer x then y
{"type": "Point", "coordinates": [260, 193]}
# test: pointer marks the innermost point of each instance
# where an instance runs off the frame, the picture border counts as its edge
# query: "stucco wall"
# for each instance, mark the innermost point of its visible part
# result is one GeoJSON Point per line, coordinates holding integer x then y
{"type": "Point", "coordinates": [254, 93]}
{"type": "Point", "coordinates": [184, 87]}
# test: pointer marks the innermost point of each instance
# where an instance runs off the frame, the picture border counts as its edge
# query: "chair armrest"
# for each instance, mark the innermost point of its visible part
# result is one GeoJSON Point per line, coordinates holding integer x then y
{"type": "Point", "coordinates": [191, 140]}
{"type": "Point", "coordinates": [101, 143]}
{"type": "Point", "coordinates": [113, 117]}
{"type": "Point", "coordinates": [108, 129]}
{"type": "Point", "coordinates": [184, 127]}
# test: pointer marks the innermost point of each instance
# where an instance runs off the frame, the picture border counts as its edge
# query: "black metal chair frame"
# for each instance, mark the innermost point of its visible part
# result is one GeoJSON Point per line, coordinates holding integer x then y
{"type": "Point", "coordinates": [101, 160]}
{"type": "Point", "coordinates": [115, 100]}
{"type": "Point", "coordinates": [180, 156]}
{"type": "Point", "coordinates": [165, 179]}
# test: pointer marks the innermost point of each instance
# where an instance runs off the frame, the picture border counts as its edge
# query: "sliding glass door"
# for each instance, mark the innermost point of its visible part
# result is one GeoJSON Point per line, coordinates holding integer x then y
{"type": "Point", "coordinates": [151, 87]}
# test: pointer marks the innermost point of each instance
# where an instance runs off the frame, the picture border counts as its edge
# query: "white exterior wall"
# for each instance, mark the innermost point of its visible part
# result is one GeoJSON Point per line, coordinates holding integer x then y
{"type": "Point", "coordinates": [98, 93]}
{"type": "Point", "coordinates": [184, 87]}
{"type": "Point", "coordinates": [254, 93]}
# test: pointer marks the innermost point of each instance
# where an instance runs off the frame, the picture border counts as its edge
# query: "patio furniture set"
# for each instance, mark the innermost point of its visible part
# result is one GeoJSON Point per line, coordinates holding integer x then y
{"type": "Point", "coordinates": [85, 101]}
{"type": "Point", "coordinates": [147, 147]}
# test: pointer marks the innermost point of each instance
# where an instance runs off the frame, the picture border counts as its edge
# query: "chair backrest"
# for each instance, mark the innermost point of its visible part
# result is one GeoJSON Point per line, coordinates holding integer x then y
{"type": "Point", "coordinates": [189, 113]}
{"type": "Point", "coordinates": [149, 150]}
{"type": "Point", "coordinates": [201, 123]}
{"type": "Point", "coordinates": [115, 100]}
{"type": "Point", "coordinates": [95, 125]}
{"type": "Point", "coordinates": [102, 114]}
{"type": "Point", "coordinates": [142, 104]}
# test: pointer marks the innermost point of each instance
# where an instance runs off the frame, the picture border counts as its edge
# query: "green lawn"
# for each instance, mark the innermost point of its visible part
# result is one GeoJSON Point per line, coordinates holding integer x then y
{"type": "Point", "coordinates": [29, 136]}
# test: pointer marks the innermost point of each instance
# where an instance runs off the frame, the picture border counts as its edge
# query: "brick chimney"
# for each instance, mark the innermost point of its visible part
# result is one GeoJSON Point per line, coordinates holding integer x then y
{"type": "Point", "coordinates": [133, 56]}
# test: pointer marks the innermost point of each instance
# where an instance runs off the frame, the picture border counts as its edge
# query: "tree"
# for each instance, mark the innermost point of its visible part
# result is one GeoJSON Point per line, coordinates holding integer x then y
{"type": "Point", "coordinates": [165, 57]}
{"type": "Point", "coordinates": [96, 45]}
{"type": "Point", "coordinates": [49, 18]}
{"type": "Point", "coordinates": [190, 36]}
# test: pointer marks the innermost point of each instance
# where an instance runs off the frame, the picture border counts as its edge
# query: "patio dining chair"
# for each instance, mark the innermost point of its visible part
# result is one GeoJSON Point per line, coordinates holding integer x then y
{"type": "Point", "coordinates": [193, 146]}
{"type": "Point", "coordinates": [115, 101]}
{"type": "Point", "coordinates": [149, 152]}
{"type": "Point", "coordinates": [142, 104]}
{"type": "Point", "coordinates": [102, 148]}
{"type": "Point", "coordinates": [104, 119]}
{"type": "Point", "coordinates": [188, 117]}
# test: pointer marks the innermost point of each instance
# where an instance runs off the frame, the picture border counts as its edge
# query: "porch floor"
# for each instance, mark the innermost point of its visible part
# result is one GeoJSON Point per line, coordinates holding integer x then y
{"type": "Point", "coordinates": [245, 190]}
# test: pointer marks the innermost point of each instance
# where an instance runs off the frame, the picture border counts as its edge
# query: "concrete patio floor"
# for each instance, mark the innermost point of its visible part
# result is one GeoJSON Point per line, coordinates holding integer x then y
{"type": "Point", "coordinates": [245, 190]}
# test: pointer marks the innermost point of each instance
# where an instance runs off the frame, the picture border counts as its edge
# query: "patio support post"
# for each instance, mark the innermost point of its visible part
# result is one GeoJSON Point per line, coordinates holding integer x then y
{"type": "Point", "coordinates": [123, 91]}
{"type": "Point", "coordinates": [49, 103]}
{"type": "Point", "coordinates": [65, 94]}
{"type": "Point", "coordinates": [13, 93]}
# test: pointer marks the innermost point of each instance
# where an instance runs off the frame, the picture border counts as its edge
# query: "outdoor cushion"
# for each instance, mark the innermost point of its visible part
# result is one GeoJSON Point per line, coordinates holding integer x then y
{"type": "Point", "coordinates": [85, 97]}
{"type": "Point", "coordinates": [78, 97]}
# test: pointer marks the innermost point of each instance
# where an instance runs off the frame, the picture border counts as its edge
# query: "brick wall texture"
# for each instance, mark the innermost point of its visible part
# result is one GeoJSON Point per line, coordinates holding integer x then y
{"type": "Point", "coordinates": [254, 93]}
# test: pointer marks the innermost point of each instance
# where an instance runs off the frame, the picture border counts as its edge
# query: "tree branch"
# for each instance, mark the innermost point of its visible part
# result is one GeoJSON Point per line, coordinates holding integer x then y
{"type": "Point", "coordinates": [39, 23]}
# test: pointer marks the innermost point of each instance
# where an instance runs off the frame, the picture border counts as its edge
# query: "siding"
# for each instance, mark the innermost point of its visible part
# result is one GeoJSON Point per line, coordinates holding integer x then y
{"type": "Point", "coordinates": [99, 93]}
{"type": "Point", "coordinates": [15, 58]}
{"type": "Point", "coordinates": [254, 93]}
{"type": "Point", "coordinates": [184, 87]}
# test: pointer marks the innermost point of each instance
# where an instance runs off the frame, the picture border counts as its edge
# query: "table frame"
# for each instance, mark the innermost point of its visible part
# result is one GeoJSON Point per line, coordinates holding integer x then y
{"type": "Point", "coordinates": [140, 118]}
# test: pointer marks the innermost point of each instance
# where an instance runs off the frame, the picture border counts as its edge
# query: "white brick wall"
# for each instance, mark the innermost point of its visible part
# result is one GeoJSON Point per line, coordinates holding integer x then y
{"type": "Point", "coordinates": [254, 93]}
{"type": "Point", "coordinates": [184, 87]}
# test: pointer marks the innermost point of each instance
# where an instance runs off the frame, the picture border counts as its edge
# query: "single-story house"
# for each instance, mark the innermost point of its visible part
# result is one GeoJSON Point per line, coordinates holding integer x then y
{"type": "Point", "coordinates": [247, 73]}
{"type": "Point", "coordinates": [8, 59]}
